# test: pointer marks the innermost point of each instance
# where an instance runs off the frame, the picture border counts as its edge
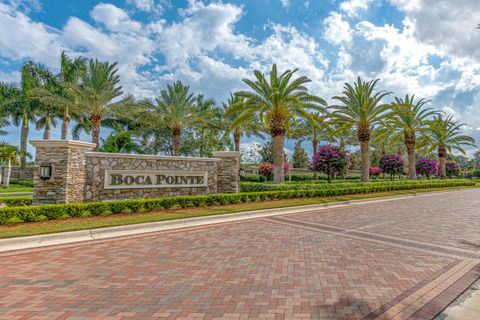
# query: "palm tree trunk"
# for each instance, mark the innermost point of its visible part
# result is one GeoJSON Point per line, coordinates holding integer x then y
{"type": "Point", "coordinates": [278, 157]}
{"type": "Point", "coordinates": [364, 146]}
{"type": "Point", "coordinates": [65, 124]}
{"type": "Point", "coordinates": [237, 135]}
{"type": "Point", "coordinates": [47, 130]}
{"type": "Point", "coordinates": [410, 143]}
{"type": "Point", "coordinates": [96, 120]}
{"type": "Point", "coordinates": [23, 144]}
{"type": "Point", "coordinates": [176, 141]}
{"type": "Point", "coordinates": [7, 171]}
{"type": "Point", "coordinates": [442, 155]}
{"type": "Point", "coordinates": [315, 149]}
{"type": "Point", "coordinates": [412, 170]}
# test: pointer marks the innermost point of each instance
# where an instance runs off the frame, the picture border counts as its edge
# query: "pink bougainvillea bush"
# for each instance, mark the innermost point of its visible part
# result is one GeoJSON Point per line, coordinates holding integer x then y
{"type": "Point", "coordinates": [453, 169]}
{"type": "Point", "coordinates": [426, 167]}
{"type": "Point", "coordinates": [392, 164]}
{"type": "Point", "coordinates": [374, 172]}
{"type": "Point", "coordinates": [330, 160]}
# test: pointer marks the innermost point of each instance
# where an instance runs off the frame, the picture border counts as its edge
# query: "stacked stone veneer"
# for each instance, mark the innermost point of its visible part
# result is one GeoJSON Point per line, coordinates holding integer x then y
{"type": "Point", "coordinates": [98, 162]}
{"type": "Point", "coordinates": [67, 158]}
{"type": "Point", "coordinates": [79, 173]}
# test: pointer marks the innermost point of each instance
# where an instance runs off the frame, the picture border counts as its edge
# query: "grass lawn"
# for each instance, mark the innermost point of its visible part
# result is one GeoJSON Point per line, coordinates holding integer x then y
{"type": "Point", "coordinates": [73, 224]}
{"type": "Point", "coordinates": [16, 188]}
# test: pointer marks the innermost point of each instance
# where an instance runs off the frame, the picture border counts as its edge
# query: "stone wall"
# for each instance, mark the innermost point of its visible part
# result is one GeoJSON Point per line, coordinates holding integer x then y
{"type": "Point", "coordinates": [16, 173]}
{"type": "Point", "coordinates": [80, 175]}
{"type": "Point", "coordinates": [67, 159]}
{"type": "Point", "coordinates": [98, 162]}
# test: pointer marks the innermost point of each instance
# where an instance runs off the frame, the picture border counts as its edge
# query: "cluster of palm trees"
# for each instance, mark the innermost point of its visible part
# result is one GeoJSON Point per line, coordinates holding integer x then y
{"type": "Point", "coordinates": [178, 122]}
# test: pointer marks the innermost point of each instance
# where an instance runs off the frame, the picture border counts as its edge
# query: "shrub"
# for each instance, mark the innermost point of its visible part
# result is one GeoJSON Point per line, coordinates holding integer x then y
{"type": "Point", "coordinates": [392, 164]}
{"type": "Point", "coordinates": [330, 160]}
{"type": "Point", "coordinates": [426, 167]}
{"type": "Point", "coordinates": [266, 170]}
{"type": "Point", "coordinates": [16, 201]}
{"type": "Point", "coordinates": [374, 172]}
{"type": "Point", "coordinates": [453, 169]}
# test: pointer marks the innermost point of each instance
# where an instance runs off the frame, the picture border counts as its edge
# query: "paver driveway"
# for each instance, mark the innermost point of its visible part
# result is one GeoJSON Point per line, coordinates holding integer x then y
{"type": "Point", "coordinates": [397, 259]}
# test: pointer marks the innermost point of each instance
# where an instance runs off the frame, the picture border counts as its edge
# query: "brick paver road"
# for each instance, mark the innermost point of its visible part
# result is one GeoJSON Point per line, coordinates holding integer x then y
{"type": "Point", "coordinates": [395, 259]}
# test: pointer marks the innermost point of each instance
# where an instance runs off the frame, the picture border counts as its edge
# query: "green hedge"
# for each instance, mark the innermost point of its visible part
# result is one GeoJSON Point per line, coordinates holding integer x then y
{"type": "Point", "coordinates": [317, 185]}
{"type": "Point", "coordinates": [16, 201]}
{"type": "Point", "coordinates": [52, 212]}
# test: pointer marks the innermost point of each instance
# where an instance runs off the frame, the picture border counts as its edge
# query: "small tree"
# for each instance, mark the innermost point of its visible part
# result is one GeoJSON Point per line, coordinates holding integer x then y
{"type": "Point", "coordinates": [8, 155]}
{"type": "Point", "coordinates": [299, 156]}
{"type": "Point", "coordinates": [330, 160]}
{"type": "Point", "coordinates": [426, 167]}
{"type": "Point", "coordinates": [453, 169]}
{"type": "Point", "coordinates": [392, 164]}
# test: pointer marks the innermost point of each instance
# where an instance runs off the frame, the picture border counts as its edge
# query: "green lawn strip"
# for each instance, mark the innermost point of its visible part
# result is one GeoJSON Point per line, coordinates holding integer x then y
{"type": "Point", "coordinates": [74, 224]}
{"type": "Point", "coordinates": [16, 188]}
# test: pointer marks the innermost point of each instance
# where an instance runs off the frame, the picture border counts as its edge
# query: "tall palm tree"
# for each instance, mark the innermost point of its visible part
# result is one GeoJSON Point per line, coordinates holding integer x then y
{"type": "Point", "coordinates": [445, 135]}
{"type": "Point", "coordinates": [362, 108]}
{"type": "Point", "coordinates": [21, 104]}
{"type": "Point", "coordinates": [96, 93]}
{"type": "Point", "coordinates": [278, 100]}
{"type": "Point", "coordinates": [408, 118]}
{"type": "Point", "coordinates": [175, 109]}
{"type": "Point", "coordinates": [250, 126]}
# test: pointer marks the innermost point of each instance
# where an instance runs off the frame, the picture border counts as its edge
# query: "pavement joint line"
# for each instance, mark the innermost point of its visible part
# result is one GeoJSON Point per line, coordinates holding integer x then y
{"type": "Point", "coordinates": [366, 237]}
{"type": "Point", "coordinates": [71, 237]}
{"type": "Point", "coordinates": [359, 231]}
{"type": "Point", "coordinates": [405, 309]}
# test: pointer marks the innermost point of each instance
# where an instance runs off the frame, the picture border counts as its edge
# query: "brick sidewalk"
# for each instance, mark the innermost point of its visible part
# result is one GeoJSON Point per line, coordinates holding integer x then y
{"type": "Point", "coordinates": [389, 260]}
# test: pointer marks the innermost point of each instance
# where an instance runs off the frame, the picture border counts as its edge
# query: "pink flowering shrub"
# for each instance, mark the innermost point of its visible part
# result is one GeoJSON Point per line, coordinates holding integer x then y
{"type": "Point", "coordinates": [426, 167]}
{"type": "Point", "coordinates": [330, 160]}
{"type": "Point", "coordinates": [374, 172]}
{"type": "Point", "coordinates": [453, 169]}
{"type": "Point", "coordinates": [392, 164]}
{"type": "Point", "coordinates": [266, 169]}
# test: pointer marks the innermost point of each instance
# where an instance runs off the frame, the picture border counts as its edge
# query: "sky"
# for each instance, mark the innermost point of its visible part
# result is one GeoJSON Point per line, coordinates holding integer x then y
{"type": "Point", "coordinates": [429, 48]}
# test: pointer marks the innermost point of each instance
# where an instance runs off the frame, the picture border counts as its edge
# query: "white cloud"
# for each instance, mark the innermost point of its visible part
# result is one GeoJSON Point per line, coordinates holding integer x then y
{"type": "Point", "coordinates": [447, 25]}
{"type": "Point", "coordinates": [337, 30]}
{"type": "Point", "coordinates": [22, 38]}
{"type": "Point", "coordinates": [285, 3]}
{"type": "Point", "coordinates": [354, 7]}
{"type": "Point", "coordinates": [114, 18]}
{"type": "Point", "coordinates": [151, 5]}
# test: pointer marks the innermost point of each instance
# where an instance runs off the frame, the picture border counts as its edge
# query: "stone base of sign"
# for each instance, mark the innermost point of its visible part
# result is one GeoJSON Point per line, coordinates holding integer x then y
{"type": "Point", "coordinates": [80, 175]}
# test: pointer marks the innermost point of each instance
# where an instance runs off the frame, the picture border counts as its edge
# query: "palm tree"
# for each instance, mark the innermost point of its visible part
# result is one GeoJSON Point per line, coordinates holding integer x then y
{"type": "Point", "coordinates": [361, 108]}
{"type": "Point", "coordinates": [98, 88]}
{"type": "Point", "coordinates": [409, 119]}
{"type": "Point", "coordinates": [250, 126]}
{"type": "Point", "coordinates": [445, 135]}
{"type": "Point", "coordinates": [121, 140]}
{"type": "Point", "coordinates": [8, 154]}
{"type": "Point", "coordinates": [21, 104]}
{"type": "Point", "coordinates": [278, 102]}
{"type": "Point", "coordinates": [176, 110]}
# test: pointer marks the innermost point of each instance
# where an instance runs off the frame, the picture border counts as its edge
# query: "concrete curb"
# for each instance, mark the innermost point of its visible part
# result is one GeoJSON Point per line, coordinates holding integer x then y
{"type": "Point", "coordinates": [29, 242]}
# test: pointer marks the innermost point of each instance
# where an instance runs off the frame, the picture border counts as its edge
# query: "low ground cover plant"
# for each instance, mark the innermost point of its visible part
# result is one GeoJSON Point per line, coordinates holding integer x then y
{"type": "Point", "coordinates": [52, 212]}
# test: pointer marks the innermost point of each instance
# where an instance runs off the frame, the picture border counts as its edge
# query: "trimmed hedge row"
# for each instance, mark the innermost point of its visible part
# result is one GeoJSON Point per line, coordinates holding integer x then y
{"type": "Point", "coordinates": [52, 212]}
{"type": "Point", "coordinates": [258, 187]}
{"type": "Point", "coordinates": [16, 201]}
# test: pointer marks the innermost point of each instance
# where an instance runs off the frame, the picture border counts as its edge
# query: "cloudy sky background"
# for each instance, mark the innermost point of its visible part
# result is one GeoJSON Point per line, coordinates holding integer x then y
{"type": "Point", "coordinates": [425, 47]}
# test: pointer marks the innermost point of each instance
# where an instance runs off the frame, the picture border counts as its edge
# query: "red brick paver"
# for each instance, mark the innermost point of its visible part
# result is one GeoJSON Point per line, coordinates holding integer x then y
{"type": "Point", "coordinates": [318, 265]}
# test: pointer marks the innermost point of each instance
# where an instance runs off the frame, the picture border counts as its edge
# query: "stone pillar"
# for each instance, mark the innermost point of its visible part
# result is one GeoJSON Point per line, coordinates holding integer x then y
{"type": "Point", "coordinates": [67, 182]}
{"type": "Point", "coordinates": [228, 171]}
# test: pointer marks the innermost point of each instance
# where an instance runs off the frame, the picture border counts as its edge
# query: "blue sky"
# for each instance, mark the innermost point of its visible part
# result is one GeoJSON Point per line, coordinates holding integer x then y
{"type": "Point", "coordinates": [423, 47]}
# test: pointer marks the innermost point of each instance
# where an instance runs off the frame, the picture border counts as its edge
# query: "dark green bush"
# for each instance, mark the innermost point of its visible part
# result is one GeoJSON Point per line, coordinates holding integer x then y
{"type": "Point", "coordinates": [16, 201]}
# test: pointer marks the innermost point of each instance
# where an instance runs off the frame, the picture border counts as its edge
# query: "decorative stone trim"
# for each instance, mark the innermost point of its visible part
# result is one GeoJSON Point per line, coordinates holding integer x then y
{"type": "Point", "coordinates": [61, 143]}
{"type": "Point", "coordinates": [147, 156]}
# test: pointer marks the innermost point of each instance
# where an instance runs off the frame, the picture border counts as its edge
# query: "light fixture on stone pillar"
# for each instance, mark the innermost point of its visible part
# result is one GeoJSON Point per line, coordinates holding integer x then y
{"type": "Point", "coordinates": [45, 171]}
{"type": "Point", "coordinates": [241, 173]}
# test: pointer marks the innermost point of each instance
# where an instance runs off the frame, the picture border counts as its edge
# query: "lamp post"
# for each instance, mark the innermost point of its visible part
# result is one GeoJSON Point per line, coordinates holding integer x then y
{"type": "Point", "coordinates": [45, 171]}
